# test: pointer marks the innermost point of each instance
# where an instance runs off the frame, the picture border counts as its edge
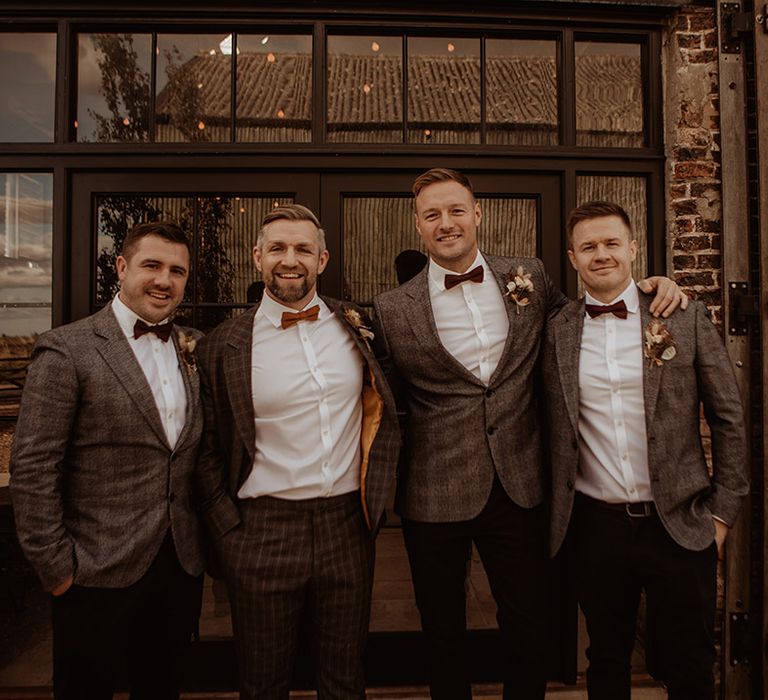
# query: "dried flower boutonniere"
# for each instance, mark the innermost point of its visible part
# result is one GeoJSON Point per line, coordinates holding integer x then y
{"type": "Point", "coordinates": [659, 344]}
{"type": "Point", "coordinates": [519, 286]}
{"type": "Point", "coordinates": [187, 345]}
{"type": "Point", "coordinates": [357, 322]}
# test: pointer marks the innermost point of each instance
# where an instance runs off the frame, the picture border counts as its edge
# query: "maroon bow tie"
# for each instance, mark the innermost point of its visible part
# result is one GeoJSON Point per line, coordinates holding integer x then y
{"type": "Point", "coordinates": [162, 331]}
{"type": "Point", "coordinates": [476, 274]}
{"type": "Point", "coordinates": [619, 309]}
{"type": "Point", "coordinates": [289, 319]}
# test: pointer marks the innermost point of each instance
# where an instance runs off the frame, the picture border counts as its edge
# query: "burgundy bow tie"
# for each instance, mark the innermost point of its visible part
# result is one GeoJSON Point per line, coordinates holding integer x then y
{"type": "Point", "coordinates": [289, 319]}
{"type": "Point", "coordinates": [619, 309]}
{"type": "Point", "coordinates": [162, 331]}
{"type": "Point", "coordinates": [476, 274]}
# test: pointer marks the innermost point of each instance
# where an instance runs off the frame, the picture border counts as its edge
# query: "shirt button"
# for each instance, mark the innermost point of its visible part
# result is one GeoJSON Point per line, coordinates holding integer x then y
{"type": "Point", "coordinates": [632, 490]}
{"type": "Point", "coordinates": [625, 457]}
{"type": "Point", "coordinates": [170, 415]}
{"type": "Point", "coordinates": [165, 381]}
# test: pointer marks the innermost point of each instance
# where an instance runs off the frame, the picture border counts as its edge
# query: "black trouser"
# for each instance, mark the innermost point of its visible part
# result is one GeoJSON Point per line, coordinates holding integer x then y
{"type": "Point", "coordinates": [511, 542]}
{"type": "Point", "coordinates": [144, 628]}
{"type": "Point", "coordinates": [616, 556]}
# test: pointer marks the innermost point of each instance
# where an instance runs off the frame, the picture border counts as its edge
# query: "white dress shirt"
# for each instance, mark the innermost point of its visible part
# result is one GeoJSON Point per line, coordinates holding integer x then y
{"type": "Point", "coordinates": [471, 318]}
{"type": "Point", "coordinates": [160, 363]}
{"type": "Point", "coordinates": [613, 464]}
{"type": "Point", "coordinates": [306, 384]}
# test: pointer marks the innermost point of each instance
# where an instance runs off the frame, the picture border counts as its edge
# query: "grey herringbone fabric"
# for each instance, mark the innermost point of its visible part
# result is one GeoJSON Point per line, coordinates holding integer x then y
{"type": "Point", "coordinates": [288, 554]}
{"type": "Point", "coordinates": [94, 483]}
{"type": "Point", "coordinates": [700, 373]}
{"type": "Point", "coordinates": [460, 432]}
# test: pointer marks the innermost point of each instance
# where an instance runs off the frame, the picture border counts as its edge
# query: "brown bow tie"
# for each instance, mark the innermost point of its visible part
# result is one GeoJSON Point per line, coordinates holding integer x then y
{"type": "Point", "coordinates": [476, 274]}
{"type": "Point", "coordinates": [619, 309]}
{"type": "Point", "coordinates": [162, 331]}
{"type": "Point", "coordinates": [289, 319]}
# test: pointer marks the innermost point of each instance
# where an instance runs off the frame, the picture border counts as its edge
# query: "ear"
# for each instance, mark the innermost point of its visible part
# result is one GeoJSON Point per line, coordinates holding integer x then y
{"type": "Point", "coordinates": [257, 257]}
{"type": "Point", "coordinates": [632, 250]}
{"type": "Point", "coordinates": [324, 256]}
{"type": "Point", "coordinates": [478, 213]}
{"type": "Point", "coordinates": [416, 222]}
{"type": "Point", "coordinates": [121, 264]}
{"type": "Point", "coordinates": [572, 258]}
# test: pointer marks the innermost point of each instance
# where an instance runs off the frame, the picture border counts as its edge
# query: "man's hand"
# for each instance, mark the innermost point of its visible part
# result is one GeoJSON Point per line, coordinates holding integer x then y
{"type": "Point", "coordinates": [668, 295]}
{"type": "Point", "coordinates": [63, 587]}
{"type": "Point", "coordinates": [721, 532]}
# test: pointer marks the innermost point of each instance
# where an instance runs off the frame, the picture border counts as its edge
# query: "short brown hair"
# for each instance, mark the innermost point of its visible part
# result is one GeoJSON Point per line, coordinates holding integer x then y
{"type": "Point", "coordinates": [165, 229]}
{"type": "Point", "coordinates": [596, 210]}
{"type": "Point", "coordinates": [441, 175]}
{"type": "Point", "coordinates": [291, 212]}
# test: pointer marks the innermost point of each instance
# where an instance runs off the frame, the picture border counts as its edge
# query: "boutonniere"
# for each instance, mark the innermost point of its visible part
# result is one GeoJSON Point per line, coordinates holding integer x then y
{"type": "Point", "coordinates": [519, 287]}
{"type": "Point", "coordinates": [659, 344]}
{"type": "Point", "coordinates": [187, 345]}
{"type": "Point", "coordinates": [357, 322]}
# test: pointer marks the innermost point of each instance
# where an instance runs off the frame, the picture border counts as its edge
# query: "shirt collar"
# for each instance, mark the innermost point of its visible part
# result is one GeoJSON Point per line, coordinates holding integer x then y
{"type": "Point", "coordinates": [273, 310]}
{"type": "Point", "coordinates": [437, 273]}
{"type": "Point", "coordinates": [126, 318]}
{"type": "Point", "coordinates": [630, 297]}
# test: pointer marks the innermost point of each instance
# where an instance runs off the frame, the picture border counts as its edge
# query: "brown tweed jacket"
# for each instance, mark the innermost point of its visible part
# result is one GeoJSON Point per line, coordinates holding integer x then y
{"type": "Point", "coordinates": [229, 440]}
{"type": "Point", "coordinates": [95, 485]}
{"type": "Point", "coordinates": [458, 431]}
{"type": "Point", "coordinates": [686, 496]}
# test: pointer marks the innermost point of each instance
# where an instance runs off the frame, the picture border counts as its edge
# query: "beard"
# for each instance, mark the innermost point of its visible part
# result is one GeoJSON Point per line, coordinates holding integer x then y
{"type": "Point", "coordinates": [289, 293]}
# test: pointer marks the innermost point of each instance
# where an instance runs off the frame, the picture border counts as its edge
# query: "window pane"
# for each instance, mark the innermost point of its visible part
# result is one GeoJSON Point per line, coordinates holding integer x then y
{"type": "Point", "coordinates": [116, 216]}
{"type": "Point", "coordinates": [377, 229]}
{"type": "Point", "coordinates": [443, 90]}
{"type": "Point", "coordinates": [274, 88]}
{"type": "Point", "coordinates": [521, 92]}
{"type": "Point", "coordinates": [365, 89]}
{"type": "Point", "coordinates": [26, 201]}
{"type": "Point", "coordinates": [609, 95]}
{"type": "Point", "coordinates": [194, 87]}
{"type": "Point", "coordinates": [113, 87]}
{"type": "Point", "coordinates": [630, 193]}
{"type": "Point", "coordinates": [28, 77]}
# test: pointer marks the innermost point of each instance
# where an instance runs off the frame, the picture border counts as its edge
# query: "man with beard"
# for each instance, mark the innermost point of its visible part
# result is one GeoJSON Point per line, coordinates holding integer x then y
{"type": "Point", "coordinates": [300, 446]}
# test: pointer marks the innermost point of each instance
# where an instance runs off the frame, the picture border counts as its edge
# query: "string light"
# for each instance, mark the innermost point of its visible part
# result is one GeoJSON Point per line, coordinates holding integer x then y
{"type": "Point", "coordinates": [280, 114]}
{"type": "Point", "coordinates": [201, 125]}
{"type": "Point", "coordinates": [126, 121]}
{"type": "Point", "coordinates": [264, 40]}
{"type": "Point", "coordinates": [199, 86]}
{"type": "Point", "coordinates": [75, 123]}
{"type": "Point", "coordinates": [375, 46]}
{"type": "Point", "coordinates": [366, 88]}
{"type": "Point", "coordinates": [212, 52]}
{"type": "Point", "coordinates": [271, 57]}
{"type": "Point", "coordinates": [451, 47]}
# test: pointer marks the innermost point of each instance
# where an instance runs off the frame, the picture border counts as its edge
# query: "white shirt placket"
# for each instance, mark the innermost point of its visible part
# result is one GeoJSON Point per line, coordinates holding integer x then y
{"type": "Point", "coordinates": [482, 336]}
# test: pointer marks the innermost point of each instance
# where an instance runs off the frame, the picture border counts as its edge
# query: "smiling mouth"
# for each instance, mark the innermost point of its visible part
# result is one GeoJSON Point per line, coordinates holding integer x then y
{"type": "Point", "coordinates": [289, 275]}
{"type": "Point", "coordinates": [449, 237]}
{"type": "Point", "coordinates": [159, 296]}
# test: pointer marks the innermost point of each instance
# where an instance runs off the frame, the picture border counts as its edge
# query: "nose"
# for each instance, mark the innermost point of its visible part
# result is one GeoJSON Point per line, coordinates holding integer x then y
{"type": "Point", "coordinates": [445, 221]}
{"type": "Point", "coordinates": [602, 252]}
{"type": "Point", "coordinates": [163, 277]}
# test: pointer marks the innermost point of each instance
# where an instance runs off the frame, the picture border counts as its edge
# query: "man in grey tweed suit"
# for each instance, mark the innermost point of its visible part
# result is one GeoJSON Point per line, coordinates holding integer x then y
{"type": "Point", "coordinates": [630, 481]}
{"type": "Point", "coordinates": [101, 467]}
{"type": "Point", "coordinates": [463, 341]}
{"type": "Point", "coordinates": [299, 451]}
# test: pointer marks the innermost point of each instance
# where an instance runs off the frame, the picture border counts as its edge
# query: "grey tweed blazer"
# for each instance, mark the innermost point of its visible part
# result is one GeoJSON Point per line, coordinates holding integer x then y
{"type": "Point", "coordinates": [229, 440]}
{"type": "Point", "coordinates": [458, 431]}
{"type": "Point", "coordinates": [686, 496]}
{"type": "Point", "coordinates": [95, 485]}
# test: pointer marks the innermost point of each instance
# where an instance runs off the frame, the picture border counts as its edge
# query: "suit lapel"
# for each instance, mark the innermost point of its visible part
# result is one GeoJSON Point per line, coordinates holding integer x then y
{"type": "Point", "coordinates": [191, 386]}
{"type": "Point", "coordinates": [117, 353]}
{"type": "Point", "coordinates": [237, 375]}
{"type": "Point", "coordinates": [568, 331]}
{"type": "Point", "coordinates": [422, 320]}
{"type": "Point", "coordinates": [500, 269]}
{"type": "Point", "coordinates": [651, 373]}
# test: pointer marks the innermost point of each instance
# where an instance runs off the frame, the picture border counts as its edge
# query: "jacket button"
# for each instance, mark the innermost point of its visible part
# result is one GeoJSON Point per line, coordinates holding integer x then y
{"type": "Point", "coordinates": [488, 393]}
{"type": "Point", "coordinates": [491, 430]}
{"type": "Point", "coordinates": [575, 444]}
{"type": "Point", "coordinates": [569, 484]}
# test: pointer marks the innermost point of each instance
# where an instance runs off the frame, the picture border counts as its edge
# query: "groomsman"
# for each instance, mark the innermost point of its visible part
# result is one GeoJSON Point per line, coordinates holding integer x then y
{"type": "Point", "coordinates": [101, 469]}
{"type": "Point", "coordinates": [463, 341]}
{"type": "Point", "coordinates": [630, 481]}
{"type": "Point", "coordinates": [299, 452]}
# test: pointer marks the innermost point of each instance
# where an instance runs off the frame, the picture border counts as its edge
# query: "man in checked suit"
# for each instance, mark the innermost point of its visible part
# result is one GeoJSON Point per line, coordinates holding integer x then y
{"type": "Point", "coordinates": [299, 452]}
{"type": "Point", "coordinates": [101, 467]}
{"type": "Point", "coordinates": [630, 482]}
{"type": "Point", "coordinates": [463, 339]}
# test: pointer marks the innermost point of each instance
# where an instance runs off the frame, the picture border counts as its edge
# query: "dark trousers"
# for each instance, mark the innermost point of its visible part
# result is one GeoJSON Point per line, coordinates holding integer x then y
{"type": "Point", "coordinates": [141, 632]}
{"type": "Point", "coordinates": [290, 557]}
{"type": "Point", "coordinates": [511, 542]}
{"type": "Point", "coordinates": [615, 556]}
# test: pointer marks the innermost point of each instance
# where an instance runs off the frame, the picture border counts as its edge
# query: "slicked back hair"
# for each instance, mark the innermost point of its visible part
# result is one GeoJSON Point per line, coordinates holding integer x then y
{"type": "Point", "coordinates": [596, 210]}
{"type": "Point", "coordinates": [441, 175]}
{"type": "Point", "coordinates": [291, 212]}
{"type": "Point", "coordinates": [165, 229]}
